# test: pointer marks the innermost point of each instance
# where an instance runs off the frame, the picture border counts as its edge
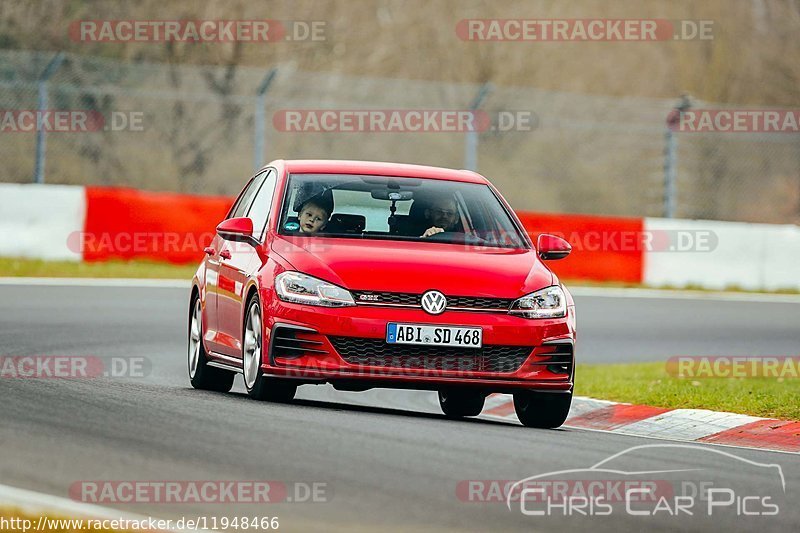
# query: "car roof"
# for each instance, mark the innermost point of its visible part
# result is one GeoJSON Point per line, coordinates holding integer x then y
{"type": "Point", "coordinates": [376, 168]}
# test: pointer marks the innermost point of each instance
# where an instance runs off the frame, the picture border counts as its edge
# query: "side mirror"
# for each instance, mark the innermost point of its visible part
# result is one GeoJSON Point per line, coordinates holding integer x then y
{"type": "Point", "coordinates": [237, 230]}
{"type": "Point", "coordinates": [551, 247]}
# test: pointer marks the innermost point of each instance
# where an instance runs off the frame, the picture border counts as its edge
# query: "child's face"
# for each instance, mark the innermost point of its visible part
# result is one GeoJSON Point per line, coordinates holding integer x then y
{"type": "Point", "coordinates": [312, 218]}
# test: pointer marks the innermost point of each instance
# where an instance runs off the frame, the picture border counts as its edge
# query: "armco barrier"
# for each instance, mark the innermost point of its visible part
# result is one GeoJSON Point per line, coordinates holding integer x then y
{"type": "Point", "coordinates": [97, 224]}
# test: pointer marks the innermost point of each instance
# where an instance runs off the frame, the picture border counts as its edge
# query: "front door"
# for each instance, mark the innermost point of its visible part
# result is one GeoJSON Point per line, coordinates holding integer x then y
{"type": "Point", "coordinates": [236, 270]}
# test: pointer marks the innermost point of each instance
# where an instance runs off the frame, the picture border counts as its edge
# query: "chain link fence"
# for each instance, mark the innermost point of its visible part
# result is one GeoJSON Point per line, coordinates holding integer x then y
{"type": "Point", "coordinates": [201, 130]}
{"type": "Point", "coordinates": [753, 177]}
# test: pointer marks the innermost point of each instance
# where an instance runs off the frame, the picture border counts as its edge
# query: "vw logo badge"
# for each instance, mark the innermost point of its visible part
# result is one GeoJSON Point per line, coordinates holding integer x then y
{"type": "Point", "coordinates": [434, 302]}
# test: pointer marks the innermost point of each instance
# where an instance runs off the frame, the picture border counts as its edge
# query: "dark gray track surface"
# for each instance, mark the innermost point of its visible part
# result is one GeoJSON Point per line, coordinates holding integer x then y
{"type": "Point", "coordinates": [389, 458]}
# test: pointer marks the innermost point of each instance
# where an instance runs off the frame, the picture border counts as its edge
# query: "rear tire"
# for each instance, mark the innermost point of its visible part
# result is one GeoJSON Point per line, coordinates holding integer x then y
{"type": "Point", "coordinates": [544, 410]}
{"type": "Point", "coordinates": [456, 403]}
{"type": "Point", "coordinates": [202, 376]}
{"type": "Point", "coordinates": [260, 387]}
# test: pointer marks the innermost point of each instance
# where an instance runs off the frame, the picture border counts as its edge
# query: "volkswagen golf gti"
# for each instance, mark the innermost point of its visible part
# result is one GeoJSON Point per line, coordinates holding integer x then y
{"type": "Point", "coordinates": [364, 274]}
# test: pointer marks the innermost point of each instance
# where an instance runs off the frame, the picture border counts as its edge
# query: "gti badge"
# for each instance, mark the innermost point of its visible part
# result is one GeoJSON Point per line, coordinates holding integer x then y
{"type": "Point", "coordinates": [434, 302]}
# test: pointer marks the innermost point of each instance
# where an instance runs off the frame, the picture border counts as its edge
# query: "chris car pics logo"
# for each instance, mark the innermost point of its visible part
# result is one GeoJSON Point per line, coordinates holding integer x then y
{"type": "Point", "coordinates": [696, 487]}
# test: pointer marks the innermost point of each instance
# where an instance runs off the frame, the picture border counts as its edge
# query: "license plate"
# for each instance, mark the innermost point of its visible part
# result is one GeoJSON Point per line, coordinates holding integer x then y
{"type": "Point", "coordinates": [465, 337]}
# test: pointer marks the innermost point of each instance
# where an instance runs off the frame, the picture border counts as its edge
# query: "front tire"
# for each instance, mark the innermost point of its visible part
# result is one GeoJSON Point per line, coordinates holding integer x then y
{"type": "Point", "coordinates": [260, 387]}
{"type": "Point", "coordinates": [544, 410]}
{"type": "Point", "coordinates": [457, 403]}
{"type": "Point", "coordinates": [201, 375]}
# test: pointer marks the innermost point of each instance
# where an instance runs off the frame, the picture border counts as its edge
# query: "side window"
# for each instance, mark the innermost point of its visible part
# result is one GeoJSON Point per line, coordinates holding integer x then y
{"type": "Point", "coordinates": [244, 200]}
{"type": "Point", "coordinates": [262, 205]}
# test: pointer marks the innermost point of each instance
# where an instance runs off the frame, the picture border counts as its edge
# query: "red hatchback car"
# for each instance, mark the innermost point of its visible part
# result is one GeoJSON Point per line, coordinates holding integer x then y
{"type": "Point", "coordinates": [364, 275]}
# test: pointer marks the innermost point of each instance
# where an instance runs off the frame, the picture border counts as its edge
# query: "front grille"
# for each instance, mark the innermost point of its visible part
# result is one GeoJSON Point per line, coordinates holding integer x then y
{"type": "Point", "coordinates": [410, 299]}
{"type": "Point", "coordinates": [479, 303]}
{"type": "Point", "coordinates": [376, 352]}
{"type": "Point", "coordinates": [394, 298]}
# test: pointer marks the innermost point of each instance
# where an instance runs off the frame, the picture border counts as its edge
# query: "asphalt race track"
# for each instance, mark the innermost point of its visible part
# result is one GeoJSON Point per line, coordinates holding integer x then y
{"type": "Point", "coordinates": [388, 459]}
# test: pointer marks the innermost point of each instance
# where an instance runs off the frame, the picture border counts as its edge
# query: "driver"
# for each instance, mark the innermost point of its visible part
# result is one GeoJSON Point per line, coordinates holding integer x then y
{"type": "Point", "coordinates": [442, 215]}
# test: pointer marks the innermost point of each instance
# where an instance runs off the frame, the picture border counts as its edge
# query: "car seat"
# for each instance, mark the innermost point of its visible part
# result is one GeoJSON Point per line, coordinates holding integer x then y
{"type": "Point", "coordinates": [346, 223]}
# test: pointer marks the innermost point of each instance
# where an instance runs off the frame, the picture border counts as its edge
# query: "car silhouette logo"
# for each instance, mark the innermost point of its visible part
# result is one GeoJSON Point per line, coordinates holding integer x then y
{"type": "Point", "coordinates": [434, 302]}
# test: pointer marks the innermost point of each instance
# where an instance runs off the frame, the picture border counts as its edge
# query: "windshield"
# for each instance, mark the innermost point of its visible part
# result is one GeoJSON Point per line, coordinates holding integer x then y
{"type": "Point", "coordinates": [391, 208]}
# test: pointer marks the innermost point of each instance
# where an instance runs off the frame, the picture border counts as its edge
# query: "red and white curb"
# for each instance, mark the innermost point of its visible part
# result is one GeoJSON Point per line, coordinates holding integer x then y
{"type": "Point", "coordinates": [690, 425]}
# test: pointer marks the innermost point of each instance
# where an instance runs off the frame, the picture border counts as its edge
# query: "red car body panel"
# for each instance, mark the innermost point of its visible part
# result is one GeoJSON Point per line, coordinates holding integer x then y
{"type": "Point", "coordinates": [378, 169]}
{"type": "Point", "coordinates": [415, 266]}
{"type": "Point", "coordinates": [225, 285]}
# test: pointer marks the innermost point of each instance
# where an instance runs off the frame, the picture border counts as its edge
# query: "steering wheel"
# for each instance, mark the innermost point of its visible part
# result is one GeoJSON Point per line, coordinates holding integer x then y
{"type": "Point", "coordinates": [456, 237]}
{"type": "Point", "coordinates": [441, 236]}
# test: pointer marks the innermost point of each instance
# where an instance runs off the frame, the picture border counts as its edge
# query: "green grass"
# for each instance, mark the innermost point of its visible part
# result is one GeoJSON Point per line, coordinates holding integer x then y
{"type": "Point", "coordinates": [110, 269]}
{"type": "Point", "coordinates": [649, 384]}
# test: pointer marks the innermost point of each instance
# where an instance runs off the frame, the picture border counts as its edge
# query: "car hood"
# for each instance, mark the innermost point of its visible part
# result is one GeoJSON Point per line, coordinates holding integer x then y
{"type": "Point", "coordinates": [414, 267]}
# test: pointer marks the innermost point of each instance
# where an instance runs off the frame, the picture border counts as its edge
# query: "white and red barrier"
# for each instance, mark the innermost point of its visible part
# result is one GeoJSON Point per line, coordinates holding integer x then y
{"type": "Point", "coordinates": [36, 221]}
{"type": "Point", "coordinates": [103, 223]}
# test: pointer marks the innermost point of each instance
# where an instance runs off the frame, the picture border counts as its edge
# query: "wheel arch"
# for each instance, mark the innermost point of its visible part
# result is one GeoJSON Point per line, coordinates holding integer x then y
{"type": "Point", "coordinates": [194, 292]}
{"type": "Point", "coordinates": [248, 292]}
{"type": "Point", "coordinates": [252, 289]}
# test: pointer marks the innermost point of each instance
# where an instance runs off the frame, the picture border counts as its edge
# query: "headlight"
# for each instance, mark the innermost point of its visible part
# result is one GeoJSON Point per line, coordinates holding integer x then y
{"type": "Point", "coordinates": [303, 289]}
{"type": "Point", "coordinates": [549, 302]}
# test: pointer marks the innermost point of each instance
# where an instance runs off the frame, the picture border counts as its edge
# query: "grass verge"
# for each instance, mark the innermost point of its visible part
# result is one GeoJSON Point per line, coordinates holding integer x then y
{"type": "Point", "coordinates": [16, 267]}
{"type": "Point", "coordinates": [110, 269]}
{"type": "Point", "coordinates": [650, 384]}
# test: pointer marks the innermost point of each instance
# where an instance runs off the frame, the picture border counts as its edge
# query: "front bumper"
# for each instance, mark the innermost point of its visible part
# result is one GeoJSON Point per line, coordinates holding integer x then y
{"type": "Point", "coordinates": [311, 356]}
